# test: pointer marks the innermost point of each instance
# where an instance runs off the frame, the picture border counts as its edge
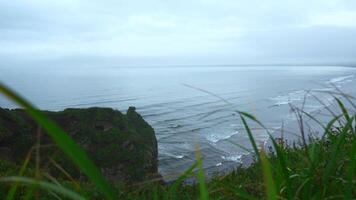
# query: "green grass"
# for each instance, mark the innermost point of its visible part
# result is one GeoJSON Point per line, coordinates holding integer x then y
{"type": "Point", "coordinates": [323, 168]}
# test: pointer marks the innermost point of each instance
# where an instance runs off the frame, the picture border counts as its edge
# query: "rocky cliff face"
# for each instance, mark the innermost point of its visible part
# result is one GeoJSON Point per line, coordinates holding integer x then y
{"type": "Point", "coordinates": [124, 147]}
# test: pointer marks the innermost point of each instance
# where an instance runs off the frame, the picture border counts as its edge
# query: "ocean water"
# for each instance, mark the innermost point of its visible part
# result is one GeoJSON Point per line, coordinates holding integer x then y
{"type": "Point", "coordinates": [188, 106]}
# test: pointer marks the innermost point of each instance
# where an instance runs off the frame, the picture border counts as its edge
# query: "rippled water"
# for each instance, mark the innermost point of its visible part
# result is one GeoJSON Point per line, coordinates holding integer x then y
{"type": "Point", "coordinates": [184, 104]}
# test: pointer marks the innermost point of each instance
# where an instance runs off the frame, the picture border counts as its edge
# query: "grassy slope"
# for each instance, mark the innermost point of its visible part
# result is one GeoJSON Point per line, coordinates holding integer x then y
{"type": "Point", "coordinates": [310, 176]}
{"type": "Point", "coordinates": [307, 176]}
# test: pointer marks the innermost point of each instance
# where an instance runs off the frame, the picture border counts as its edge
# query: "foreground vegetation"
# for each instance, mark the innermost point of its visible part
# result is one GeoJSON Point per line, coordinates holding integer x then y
{"type": "Point", "coordinates": [315, 168]}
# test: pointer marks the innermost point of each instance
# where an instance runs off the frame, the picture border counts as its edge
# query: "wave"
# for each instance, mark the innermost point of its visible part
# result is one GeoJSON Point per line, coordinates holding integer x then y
{"type": "Point", "coordinates": [214, 138]}
{"type": "Point", "coordinates": [341, 79]}
{"type": "Point", "coordinates": [233, 158]}
{"type": "Point", "coordinates": [288, 98]}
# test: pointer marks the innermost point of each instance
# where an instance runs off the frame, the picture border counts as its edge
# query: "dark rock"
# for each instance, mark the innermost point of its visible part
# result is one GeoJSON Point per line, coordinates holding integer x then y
{"type": "Point", "coordinates": [124, 147]}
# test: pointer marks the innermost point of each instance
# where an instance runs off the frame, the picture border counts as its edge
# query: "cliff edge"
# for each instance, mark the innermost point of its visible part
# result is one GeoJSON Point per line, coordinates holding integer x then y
{"type": "Point", "coordinates": [123, 146]}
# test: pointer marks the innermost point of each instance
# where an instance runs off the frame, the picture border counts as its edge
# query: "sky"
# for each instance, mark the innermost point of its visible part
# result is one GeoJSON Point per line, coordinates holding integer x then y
{"type": "Point", "coordinates": [177, 32]}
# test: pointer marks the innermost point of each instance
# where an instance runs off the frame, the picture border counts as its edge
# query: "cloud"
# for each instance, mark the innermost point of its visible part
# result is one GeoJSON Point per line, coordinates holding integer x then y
{"type": "Point", "coordinates": [338, 18]}
{"type": "Point", "coordinates": [264, 31]}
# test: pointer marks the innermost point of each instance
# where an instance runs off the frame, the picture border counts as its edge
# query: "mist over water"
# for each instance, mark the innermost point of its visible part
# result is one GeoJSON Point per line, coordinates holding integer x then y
{"type": "Point", "coordinates": [173, 101]}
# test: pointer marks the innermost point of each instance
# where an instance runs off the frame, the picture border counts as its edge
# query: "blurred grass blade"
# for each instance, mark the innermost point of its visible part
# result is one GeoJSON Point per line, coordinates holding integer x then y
{"type": "Point", "coordinates": [313, 155]}
{"type": "Point", "coordinates": [351, 170]}
{"type": "Point", "coordinates": [55, 195]}
{"type": "Point", "coordinates": [299, 192]}
{"type": "Point", "coordinates": [253, 118]}
{"type": "Point", "coordinates": [328, 128]}
{"type": "Point", "coordinates": [64, 142]}
{"type": "Point", "coordinates": [314, 119]}
{"type": "Point", "coordinates": [282, 165]}
{"type": "Point", "coordinates": [348, 98]}
{"type": "Point", "coordinates": [243, 194]}
{"type": "Point", "coordinates": [335, 149]}
{"type": "Point", "coordinates": [155, 193]}
{"type": "Point", "coordinates": [13, 189]}
{"type": "Point", "coordinates": [207, 92]}
{"type": "Point", "coordinates": [242, 147]}
{"type": "Point", "coordinates": [204, 195]}
{"type": "Point", "coordinates": [250, 136]}
{"type": "Point", "coordinates": [343, 109]}
{"type": "Point", "coordinates": [45, 185]}
{"type": "Point", "coordinates": [180, 180]}
{"type": "Point", "coordinates": [29, 192]}
{"type": "Point", "coordinates": [279, 151]}
{"type": "Point", "coordinates": [72, 180]}
{"type": "Point", "coordinates": [268, 178]}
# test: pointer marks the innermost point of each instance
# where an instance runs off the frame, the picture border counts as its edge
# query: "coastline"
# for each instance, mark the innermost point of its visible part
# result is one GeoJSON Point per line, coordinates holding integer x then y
{"type": "Point", "coordinates": [291, 137]}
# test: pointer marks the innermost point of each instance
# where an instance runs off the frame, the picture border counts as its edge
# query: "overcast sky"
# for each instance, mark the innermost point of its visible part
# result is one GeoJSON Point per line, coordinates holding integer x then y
{"type": "Point", "coordinates": [177, 31]}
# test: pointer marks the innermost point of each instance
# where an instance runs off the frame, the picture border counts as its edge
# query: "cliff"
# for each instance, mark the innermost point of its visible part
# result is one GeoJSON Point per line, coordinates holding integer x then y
{"type": "Point", "coordinates": [124, 147]}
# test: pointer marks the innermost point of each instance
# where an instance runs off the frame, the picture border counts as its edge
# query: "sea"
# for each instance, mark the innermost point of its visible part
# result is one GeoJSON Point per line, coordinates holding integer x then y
{"type": "Point", "coordinates": [190, 107]}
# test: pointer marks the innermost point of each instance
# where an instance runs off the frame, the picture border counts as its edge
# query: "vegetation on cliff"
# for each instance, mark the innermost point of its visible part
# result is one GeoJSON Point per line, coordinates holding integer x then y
{"type": "Point", "coordinates": [323, 168]}
{"type": "Point", "coordinates": [124, 147]}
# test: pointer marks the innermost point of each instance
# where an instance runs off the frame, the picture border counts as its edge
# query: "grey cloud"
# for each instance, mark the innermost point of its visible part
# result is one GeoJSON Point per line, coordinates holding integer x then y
{"type": "Point", "coordinates": [170, 31]}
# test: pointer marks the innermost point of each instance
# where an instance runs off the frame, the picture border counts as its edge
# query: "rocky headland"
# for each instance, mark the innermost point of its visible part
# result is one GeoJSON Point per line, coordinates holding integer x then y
{"type": "Point", "coordinates": [123, 146]}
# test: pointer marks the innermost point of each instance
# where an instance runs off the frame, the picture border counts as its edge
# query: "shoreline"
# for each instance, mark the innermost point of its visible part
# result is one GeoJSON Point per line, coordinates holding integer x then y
{"type": "Point", "coordinates": [290, 138]}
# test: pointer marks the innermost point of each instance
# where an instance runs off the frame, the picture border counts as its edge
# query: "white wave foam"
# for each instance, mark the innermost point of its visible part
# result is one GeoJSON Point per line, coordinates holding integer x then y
{"type": "Point", "coordinates": [341, 79]}
{"type": "Point", "coordinates": [288, 98]}
{"type": "Point", "coordinates": [214, 138]}
{"type": "Point", "coordinates": [173, 155]}
{"type": "Point", "coordinates": [234, 158]}
{"type": "Point", "coordinates": [299, 94]}
{"type": "Point", "coordinates": [167, 150]}
{"type": "Point", "coordinates": [178, 156]}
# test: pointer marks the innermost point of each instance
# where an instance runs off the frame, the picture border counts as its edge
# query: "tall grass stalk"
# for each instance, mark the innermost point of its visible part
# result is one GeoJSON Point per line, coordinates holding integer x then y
{"type": "Point", "coordinates": [45, 185]}
{"type": "Point", "coordinates": [268, 177]}
{"type": "Point", "coordinates": [204, 195]}
{"type": "Point", "coordinates": [11, 193]}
